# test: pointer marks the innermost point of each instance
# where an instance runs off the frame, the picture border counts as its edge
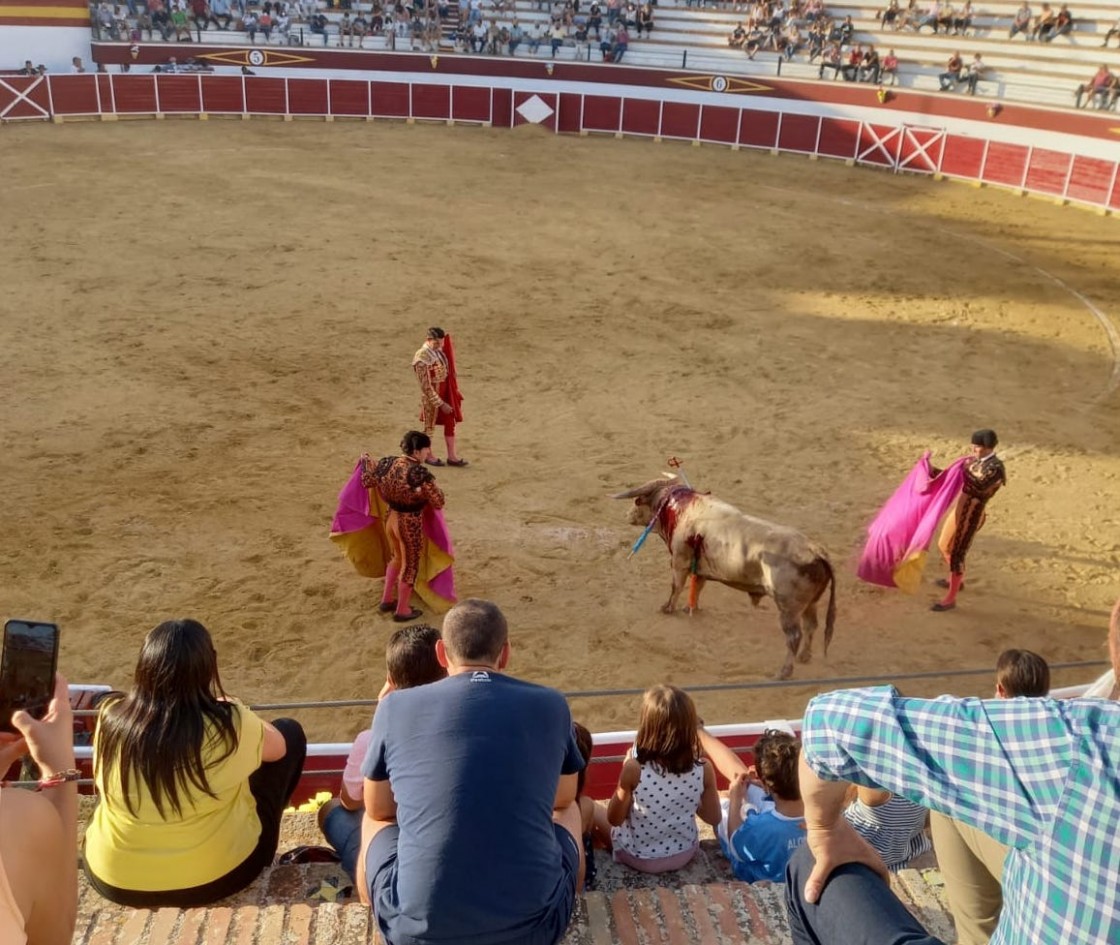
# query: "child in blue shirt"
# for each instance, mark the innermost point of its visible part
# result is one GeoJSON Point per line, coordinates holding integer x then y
{"type": "Point", "coordinates": [764, 817]}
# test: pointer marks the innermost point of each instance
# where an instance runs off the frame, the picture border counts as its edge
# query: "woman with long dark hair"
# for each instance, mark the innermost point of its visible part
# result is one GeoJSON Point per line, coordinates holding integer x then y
{"type": "Point", "coordinates": [192, 783]}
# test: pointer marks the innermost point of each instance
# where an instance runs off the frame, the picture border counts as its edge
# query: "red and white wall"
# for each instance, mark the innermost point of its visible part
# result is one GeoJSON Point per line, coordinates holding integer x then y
{"type": "Point", "coordinates": [1065, 154]}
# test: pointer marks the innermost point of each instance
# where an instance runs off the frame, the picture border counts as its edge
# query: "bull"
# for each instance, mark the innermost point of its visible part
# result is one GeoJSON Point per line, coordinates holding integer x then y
{"type": "Point", "coordinates": [713, 541]}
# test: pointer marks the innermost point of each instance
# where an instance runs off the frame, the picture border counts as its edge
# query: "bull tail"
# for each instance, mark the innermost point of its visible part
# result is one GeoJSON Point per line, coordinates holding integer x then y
{"type": "Point", "coordinates": [830, 616]}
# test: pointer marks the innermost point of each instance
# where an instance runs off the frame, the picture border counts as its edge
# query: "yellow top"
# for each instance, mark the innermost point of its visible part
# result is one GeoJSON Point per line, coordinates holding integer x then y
{"type": "Point", "coordinates": [145, 852]}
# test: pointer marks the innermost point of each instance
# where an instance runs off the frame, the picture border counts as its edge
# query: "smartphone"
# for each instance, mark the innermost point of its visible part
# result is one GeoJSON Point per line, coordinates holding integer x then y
{"type": "Point", "coordinates": [27, 669]}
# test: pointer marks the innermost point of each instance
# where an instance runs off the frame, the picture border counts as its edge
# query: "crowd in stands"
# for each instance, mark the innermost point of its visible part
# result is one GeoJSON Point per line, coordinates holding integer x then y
{"type": "Point", "coordinates": [461, 811]}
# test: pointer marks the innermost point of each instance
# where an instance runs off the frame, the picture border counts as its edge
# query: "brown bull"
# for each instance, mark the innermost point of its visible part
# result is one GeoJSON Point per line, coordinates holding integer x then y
{"type": "Point", "coordinates": [717, 542]}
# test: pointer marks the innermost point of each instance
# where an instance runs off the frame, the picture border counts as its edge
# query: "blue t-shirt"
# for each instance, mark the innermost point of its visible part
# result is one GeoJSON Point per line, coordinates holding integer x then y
{"type": "Point", "coordinates": [474, 761]}
{"type": "Point", "coordinates": [764, 842]}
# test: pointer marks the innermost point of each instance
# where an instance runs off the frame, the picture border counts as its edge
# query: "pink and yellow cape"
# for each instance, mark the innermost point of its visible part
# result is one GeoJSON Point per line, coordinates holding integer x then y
{"type": "Point", "coordinates": [358, 528]}
{"type": "Point", "coordinates": [899, 537]}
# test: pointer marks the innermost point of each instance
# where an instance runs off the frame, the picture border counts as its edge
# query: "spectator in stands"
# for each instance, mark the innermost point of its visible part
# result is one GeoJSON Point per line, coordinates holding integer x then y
{"type": "Point", "coordinates": [495, 40]}
{"type": "Point", "coordinates": [38, 854]}
{"type": "Point", "coordinates": [595, 19]}
{"type": "Point", "coordinates": [1113, 31]}
{"type": "Point", "coordinates": [818, 34]}
{"type": "Point", "coordinates": [792, 41]}
{"type": "Point", "coordinates": [889, 67]}
{"type": "Point", "coordinates": [250, 25]}
{"type": "Point", "coordinates": [1033, 773]}
{"type": "Point", "coordinates": [1063, 25]}
{"type": "Point", "coordinates": [649, 823]}
{"type": "Point", "coordinates": [161, 18]}
{"type": "Point", "coordinates": [1043, 23]}
{"type": "Point", "coordinates": [1021, 673]}
{"type": "Point", "coordinates": [557, 35]}
{"type": "Point", "coordinates": [587, 806]}
{"type": "Point", "coordinates": [220, 14]}
{"type": "Point", "coordinates": [192, 783]}
{"type": "Point", "coordinates": [894, 826]}
{"type": "Point", "coordinates": [516, 36]}
{"type": "Point", "coordinates": [945, 17]}
{"type": "Point", "coordinates": [869, 66]}
{"type": "Point", "coordinates": [1022, 21]}
{"type": "Point", "coordinates": [888, 16]}
{"type": "Point", "coordinates": [962, 21]}
{"type": "Point", "coordinates": [479, 33]}
{"type": "Point", "coordinates": [200, 14]}
{"type": "Point", "coordinates": [850, 71]}
{"type": "Point", "coordinates": [76, 65]}
{"type": "Point", "coordinates": [359, 27]}
{"type": "Point", "coordinates": [762, 820]}
{"type": "Point", "coordinates": [645, 19]}
{"type": "Point", "coordinates": [843, 32]}
{"type": "Point", "coordinates": [831, 58]}
{"type": "Point", "coordinates": [973, 73]}
{"type": "Point", "coordinates": [930, 18]}
{"type": "Point", "coordinates": [952, 74]}
{"type": "Point", "coordinates": [471, 828]}
{"type": "Point", "coordinates": [346, 29]}
{"type": "Point", "coordinates": [738, 37]}
{"type": "Point", "coordinates": [606, 43]}
{"type": "Point", "coordinates": [179, 23]}
{"type": "Point", "coordinates": [410, 660]}
{"type": "Point", "coordinates": [621, 43]}
{"type": "Point", "coordinates": [316, 25]}
{"type": "Point", "coordinates": [1097, 89]}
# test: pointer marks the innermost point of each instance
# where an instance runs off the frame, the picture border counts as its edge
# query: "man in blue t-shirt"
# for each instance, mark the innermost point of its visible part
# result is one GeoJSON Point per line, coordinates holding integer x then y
{"type": "Point", "coordinates": [471, 831]}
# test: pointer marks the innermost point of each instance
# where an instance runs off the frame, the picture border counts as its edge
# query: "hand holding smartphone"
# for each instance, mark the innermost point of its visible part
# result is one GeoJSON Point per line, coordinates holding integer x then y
{"type": "Point", "coordinates": [27, 669]}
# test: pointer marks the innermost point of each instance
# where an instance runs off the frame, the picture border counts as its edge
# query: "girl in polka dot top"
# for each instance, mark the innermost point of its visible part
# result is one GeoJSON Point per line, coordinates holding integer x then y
{"type": "Point", "coordinates": [664, 784]}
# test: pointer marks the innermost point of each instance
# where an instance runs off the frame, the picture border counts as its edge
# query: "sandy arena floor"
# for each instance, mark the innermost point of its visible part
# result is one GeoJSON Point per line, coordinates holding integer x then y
{"type": "Point", "coordinates": [202, 325]}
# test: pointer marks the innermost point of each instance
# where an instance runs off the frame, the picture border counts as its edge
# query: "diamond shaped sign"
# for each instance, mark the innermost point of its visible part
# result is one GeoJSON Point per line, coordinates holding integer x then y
{"type": "Point", "coordinates": [535, 110]}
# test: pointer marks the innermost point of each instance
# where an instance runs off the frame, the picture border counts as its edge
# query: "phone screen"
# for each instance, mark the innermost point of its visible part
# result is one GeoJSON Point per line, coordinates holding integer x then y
{"type": "Point", "coordinates": [27, 669]}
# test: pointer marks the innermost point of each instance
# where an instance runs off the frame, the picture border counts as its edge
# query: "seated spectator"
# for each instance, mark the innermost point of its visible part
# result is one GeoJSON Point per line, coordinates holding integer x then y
{"type": "Point", "coordinates": [282, 25]}
{"type": "Point", "coordinates": [869, 66]}
{"type": "Point", "coordinates": [961, 756]}
{"type": "Point", "coordinates": [179, 24]}
{"type": "Point", "coordinates": [264, 24]}
{"type": "Point", "coordinates": [952, 74]}
{"type": "Point", "coordinates": [1114, 30]}
{"type": "Point", "coordinates": [850, 71]}
{"type": "Point", "coordinates": [621, 43]}
{"type": "Point", "coordinates": [38, 854]}
{"type": "Point", "coordinates": [410, 660]}
{"type": "Point", "coordinates": [471, 829]}
{"type": "Point", "coordinates": [1063, 25]}
{"type": "Point", "coordinates": [843, 33]}
{"type": "Point", "coordinates": [973, 73]}
{"type": "Point", "coordinates": [76, 65]}
{"type": "Point", "coordinates": [479, 34]}
{"type": "Point", "coordinates": [889, 64]}
{"type": "Point", "coordinates": [645, 19]}
{"type": "Point", "coordinates": [930, 18]}
{"type": "Point", "coordinates": [219, 12]}
{"type": "Point", "coordinates": [792, 41]}
{"type": "Point", "coordinates": [945, 16]}
{"type": "Point", "coordinates": [535, 36]}
{"type": "Point", "coordinates": [557, 36]}
{"type": "Point", "coordinates": [161, 19]}
{"type": "Point", "coordinates": [359, 28]}
{"type": "Point", "coordinates": [962, 20]}
{"type": "Point", "coordinates": [496, 39]}
{"type": "Point", "coordinates": [818, 33]}
{"type": "Point", "coordinates": [650, 822]}
{"type": "Point", "coordinates": [894, 826]}
{"type": "Point", "coordinates": [738, 37]}
{"type": "Point", "coordinates": [606, 44]}
{"type": "Point", "coordinates": [345, 27]}
{"type": "Point", "coordinates": [1022, 22]}
{"type": "Point", "coordinates": [200, 13]}
{"type": "Point", "coordinates": [316, 25]}
{"type": "Point", "coordinates": [831, 58]}
{"type": "Point", "coordinates": [516, 36]}
{"type": "Point", "coordinates": [763, 818]}
{"type": "Point", "coordinates": [250, 25]}
{"type": "Point", "coordinates": [1043, 23]}
{"type": "Point", "coordinates": [587, 806]}
{"type": "Point", "coordinates": [888, 16]}
{"type": "Point", "coordinates": [191, 783]}
{"type": "Point", "coordinates": [595, 19]}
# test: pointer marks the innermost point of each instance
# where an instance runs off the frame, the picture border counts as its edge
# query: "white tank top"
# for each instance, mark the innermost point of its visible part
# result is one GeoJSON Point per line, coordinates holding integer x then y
{"type": "Point", "coordinates": [662, 819]}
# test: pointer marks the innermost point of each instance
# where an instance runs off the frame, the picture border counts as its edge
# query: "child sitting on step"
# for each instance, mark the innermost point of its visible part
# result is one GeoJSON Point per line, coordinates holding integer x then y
{"type": "Point", "coordinates": [763, 816]}
{"type": "Point", "coordinates": [650, 821]}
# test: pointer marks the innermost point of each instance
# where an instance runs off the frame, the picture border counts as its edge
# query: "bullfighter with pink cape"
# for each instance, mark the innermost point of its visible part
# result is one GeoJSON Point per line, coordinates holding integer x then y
{"type": "Point", "coordinates": [898, 539]}
{"type": "Point", "coordinates": [359, 528]}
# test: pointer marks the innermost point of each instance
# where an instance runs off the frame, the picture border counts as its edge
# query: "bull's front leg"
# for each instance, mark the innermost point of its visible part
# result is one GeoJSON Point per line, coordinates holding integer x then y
{"type": "Point", "coordinates": [680, 575]}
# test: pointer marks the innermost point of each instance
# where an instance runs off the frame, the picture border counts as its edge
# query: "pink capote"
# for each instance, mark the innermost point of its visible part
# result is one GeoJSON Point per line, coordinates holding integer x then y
{"type": "Point", "coordinates": [899, 537]}
{"type": "Point", "coordinates": [358, 528]}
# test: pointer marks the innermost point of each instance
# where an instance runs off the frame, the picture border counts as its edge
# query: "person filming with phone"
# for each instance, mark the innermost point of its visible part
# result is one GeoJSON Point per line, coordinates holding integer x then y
{"type": "Point", "coordinates": [38, 831]}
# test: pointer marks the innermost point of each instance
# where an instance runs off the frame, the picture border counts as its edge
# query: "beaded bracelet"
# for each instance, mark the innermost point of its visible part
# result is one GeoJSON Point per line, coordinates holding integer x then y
{"type": "Point", "coordinates": [62, 777]}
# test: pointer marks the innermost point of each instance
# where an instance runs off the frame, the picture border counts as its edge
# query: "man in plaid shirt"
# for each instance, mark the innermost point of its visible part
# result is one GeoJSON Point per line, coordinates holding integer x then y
{"type": "Point", "coordinates": [1040, 775]}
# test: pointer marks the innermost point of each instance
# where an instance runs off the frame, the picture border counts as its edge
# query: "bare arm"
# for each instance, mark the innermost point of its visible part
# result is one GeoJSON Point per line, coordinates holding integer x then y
{"type": "Point", "coordinates": [872, 797]}
{"type": "Point", "coordinates": [623, 797]}
{"type": "Point", "coordinates": [379, 801]}
{"type": "Point", "coordinates": [274, 747]}
{"type": "Point", "coordinates": [566, 791]}
{"type": "Point", "coordinates": [726, 761]}
{"type": "Point", "coordinates": [709, 809]}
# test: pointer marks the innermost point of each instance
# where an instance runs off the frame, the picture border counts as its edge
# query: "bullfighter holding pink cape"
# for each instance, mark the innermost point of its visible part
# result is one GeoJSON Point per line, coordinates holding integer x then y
{"type": "Point", "coordinates": [898, 540]}
{"type": "Point", "coordinates": [390, 523]}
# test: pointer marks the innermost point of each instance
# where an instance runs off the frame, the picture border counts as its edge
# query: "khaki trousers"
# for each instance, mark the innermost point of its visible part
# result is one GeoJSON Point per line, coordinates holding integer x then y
{"type": "Point", "coordinates": [971, 864]}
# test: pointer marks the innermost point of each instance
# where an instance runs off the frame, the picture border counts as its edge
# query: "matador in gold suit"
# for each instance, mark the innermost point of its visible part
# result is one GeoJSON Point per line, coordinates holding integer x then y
{"type": "Point", "coordinates": [984, 475]}
{"type": "Point", "coordinates": [440, 400]}
{"type": "Point", "coordinates": [407, 488]}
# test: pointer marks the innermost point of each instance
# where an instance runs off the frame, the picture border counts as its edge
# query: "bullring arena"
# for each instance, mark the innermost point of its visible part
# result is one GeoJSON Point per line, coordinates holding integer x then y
{"type": "Point", "coordinates": [205, 324]}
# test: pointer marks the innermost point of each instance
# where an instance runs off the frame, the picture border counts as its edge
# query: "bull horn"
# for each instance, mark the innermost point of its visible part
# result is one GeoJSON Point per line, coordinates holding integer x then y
{"type": "Point", "coordinates": [647, 489]}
